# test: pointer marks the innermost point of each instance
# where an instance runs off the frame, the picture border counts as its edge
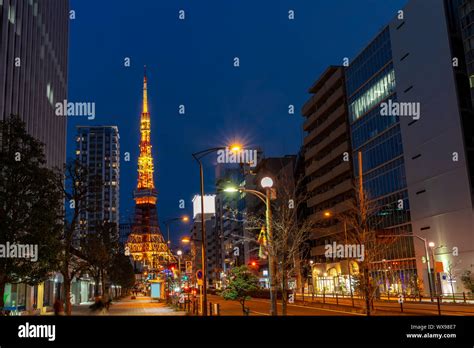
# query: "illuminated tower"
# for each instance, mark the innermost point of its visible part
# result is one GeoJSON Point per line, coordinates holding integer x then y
{"type": "Point", "coordinates": [146, 243]}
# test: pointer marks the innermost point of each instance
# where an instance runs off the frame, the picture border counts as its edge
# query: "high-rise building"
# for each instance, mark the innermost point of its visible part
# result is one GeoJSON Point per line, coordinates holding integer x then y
{"type": "Point", "coordinates": [146, 243]}
{"type": "Point", "coordinates": [33, 69]}
{"type": "Point", "coordinates": [328, 169]}
{"type": "Point", "coordinates": [438, 142]}
{"type": "Point", "coordinates": [415, 136]}
{"type": "Point", "coordinates": [213, 250]}
{"type": "Point", "coordinates": [33, 77]}
{"type": "Point", "coordinates": [98, 150]}
{"type": "Point", "coordinates": [370, 81]}
{"type": "Point", "coordinates": [229, 219]}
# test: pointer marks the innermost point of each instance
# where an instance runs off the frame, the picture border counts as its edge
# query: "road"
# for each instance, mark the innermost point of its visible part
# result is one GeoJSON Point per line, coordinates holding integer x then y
{"type": "Point", "coordinates": [261, 307]}
{"type": "Point", "coordinates": [316, 307]}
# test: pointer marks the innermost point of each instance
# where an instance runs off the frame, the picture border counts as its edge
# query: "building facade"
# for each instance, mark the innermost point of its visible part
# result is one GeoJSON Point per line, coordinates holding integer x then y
{"type": "Point", "coordinates": [98, 150]}
{"type": "Point", "coordinates": [328, 172]}
{"type": "Point", "coordinates": [438, 145]}
{"type": "Point", "coordinates": [33, 77]}
{"type": "Point", "coordinates": [33, 69]}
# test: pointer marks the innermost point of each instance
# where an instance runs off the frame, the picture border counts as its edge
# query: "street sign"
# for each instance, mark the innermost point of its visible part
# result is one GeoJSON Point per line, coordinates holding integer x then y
{"type": "Point", "coordinates": [189, 267]}
{"type": "Point", "coordinates": [199, 274]}
{"type": "Point", "coordinates": [200, 282]}
{"type": "Point", "coordinates": [439, 267]}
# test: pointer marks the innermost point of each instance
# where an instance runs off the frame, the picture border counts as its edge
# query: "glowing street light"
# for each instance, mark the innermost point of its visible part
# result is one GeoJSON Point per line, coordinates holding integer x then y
{"type": "Point", "coordinates": [168, 222]}
{"type": "Point", "coordinates": [266, 182]}
{"type": "Point", "coordinates": [235, 148]}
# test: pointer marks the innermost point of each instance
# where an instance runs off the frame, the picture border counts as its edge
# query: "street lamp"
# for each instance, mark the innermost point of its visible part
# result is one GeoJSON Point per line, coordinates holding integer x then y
{"type": "Point", "coordinates": [179, 253]}
{"type": "Point", "coordinates": [168, 222]}
{"type": "Point", "coordinates": [432, 246]}
{"type": "Point", "coordinates": [198, 157]}
{"type": "Point", "coordinates": [267, 184]}
{"type": "Point", "coordinates": [328, 214]}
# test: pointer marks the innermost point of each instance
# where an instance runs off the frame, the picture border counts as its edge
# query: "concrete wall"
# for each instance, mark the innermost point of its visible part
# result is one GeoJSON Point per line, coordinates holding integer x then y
{"type": "Point", "coordinates": [445, 207]}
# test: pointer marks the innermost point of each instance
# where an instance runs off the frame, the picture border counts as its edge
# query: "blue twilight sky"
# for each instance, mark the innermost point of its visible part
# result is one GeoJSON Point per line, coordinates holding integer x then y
{"type": "Point", "coordinates": [190, 62]}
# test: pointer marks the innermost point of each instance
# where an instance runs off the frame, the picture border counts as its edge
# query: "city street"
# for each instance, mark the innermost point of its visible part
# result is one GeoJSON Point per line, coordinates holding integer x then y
{"type": "Point", "coordinates": [330, 308]}
{"type": "Point", "coordinates": [261, 307]}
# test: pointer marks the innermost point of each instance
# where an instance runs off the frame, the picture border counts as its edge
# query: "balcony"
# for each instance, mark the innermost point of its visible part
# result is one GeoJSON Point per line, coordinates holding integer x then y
{"type": "Point", "coordinates": [336, 171]}
{"type": "Point", "coordinates": [323, 108]}
{"type": "Point", "coordinates": [317, 96]}
{"type": "Point", "coordinates": [335, 210]}
{"type": "Point", "coordinates": [314, 150]}
{"type": "Point", "coordinates": [338, 151]}
{"type": "Point", "coordinates": [340, 111]}
{"type": "Point", "coordinates": [335, 191]}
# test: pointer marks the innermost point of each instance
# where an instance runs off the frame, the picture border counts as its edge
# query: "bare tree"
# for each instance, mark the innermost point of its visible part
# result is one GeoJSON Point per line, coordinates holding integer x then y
{"type": "Point", "coordinates": [364, 225]}
{"type": "Point", "coordinates": [289, 234]}
{"type": "Point", "coordinates": [452, 272]}
{"type": "Point", "coordinates": [73, 184]}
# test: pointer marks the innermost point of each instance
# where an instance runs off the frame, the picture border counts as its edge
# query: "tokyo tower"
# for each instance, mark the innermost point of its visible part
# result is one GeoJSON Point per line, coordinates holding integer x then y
{"type": "Point", "coordinates": [145, 242]}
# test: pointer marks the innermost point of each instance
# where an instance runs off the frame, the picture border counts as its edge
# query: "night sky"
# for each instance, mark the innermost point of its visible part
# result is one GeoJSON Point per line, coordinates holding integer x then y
{"type": "Point", "coordinates": [190, 62]}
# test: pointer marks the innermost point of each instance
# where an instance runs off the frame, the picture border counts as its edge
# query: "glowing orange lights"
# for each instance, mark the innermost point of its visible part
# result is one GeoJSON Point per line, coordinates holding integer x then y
{"type": "Point", "coordinates": [327, 214]}
{"type": "Point", "coordinates": [235, 148]}
{"type": "Point", "coordinates": [145, 200]}
{"type": "Point", "coordinates": [145, 160]}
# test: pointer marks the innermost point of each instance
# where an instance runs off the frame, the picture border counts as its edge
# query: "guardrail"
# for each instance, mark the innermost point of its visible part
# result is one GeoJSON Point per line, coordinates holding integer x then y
{"type": "Point", "coordinates": [466, 300]}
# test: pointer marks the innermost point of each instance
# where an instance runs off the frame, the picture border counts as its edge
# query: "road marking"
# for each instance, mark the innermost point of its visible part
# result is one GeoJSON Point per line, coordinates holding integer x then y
{"type": "Point", "coordinates": [260, 313]}
{"type": "Point", "coordinates": [315, 308]}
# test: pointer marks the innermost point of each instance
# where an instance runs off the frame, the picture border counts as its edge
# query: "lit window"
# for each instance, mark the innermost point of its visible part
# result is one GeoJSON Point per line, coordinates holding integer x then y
{"type": "Point", "coordinates": [471, 81]}
{"type": "Point", "coordinates": [49, 94]}
{"type": "Point", "coordinates": [11, 14]}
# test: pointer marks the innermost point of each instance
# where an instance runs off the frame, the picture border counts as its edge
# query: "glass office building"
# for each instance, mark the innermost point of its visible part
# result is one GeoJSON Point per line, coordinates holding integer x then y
{"type": "Point", "coordinates": [370, 81]}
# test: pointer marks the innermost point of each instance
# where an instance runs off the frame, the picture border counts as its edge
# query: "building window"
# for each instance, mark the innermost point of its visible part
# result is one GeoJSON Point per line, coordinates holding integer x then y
{"type": "Point", "coordinates": [50, 94]}
{"type": "Point", "coordinates": [471, 81]}
{"type": "Point", "coordinates": [11, 14]}
{"type": "Point", "coordinates": [378, 91]}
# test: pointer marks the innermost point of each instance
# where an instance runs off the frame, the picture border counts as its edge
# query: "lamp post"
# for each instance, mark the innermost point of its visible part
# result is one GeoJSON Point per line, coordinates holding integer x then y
{"type": "Point", "coordinates": [427, 256]}
{"type": "Point", "coordinates": [435, 275]}
{"type": "Point", "coordinates": [267, 184]}
{"type": "Point", "coordinates": [168, 222]}
{"type": "Point", "coordinates": [198, 157]}
{"type": "Point", "coordinates": [179, 253]}
{"type": "Point", "coordinates": [327, 214]}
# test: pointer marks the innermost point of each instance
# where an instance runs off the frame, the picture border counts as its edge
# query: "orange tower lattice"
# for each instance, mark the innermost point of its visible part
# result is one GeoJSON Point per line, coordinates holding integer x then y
{"type": "Point", "coordinates": [146, 243]}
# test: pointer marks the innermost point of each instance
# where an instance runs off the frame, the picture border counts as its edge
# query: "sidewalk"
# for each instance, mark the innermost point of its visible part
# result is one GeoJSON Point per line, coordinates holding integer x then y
{"type": "Point", "coordinates": [127, 307]}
